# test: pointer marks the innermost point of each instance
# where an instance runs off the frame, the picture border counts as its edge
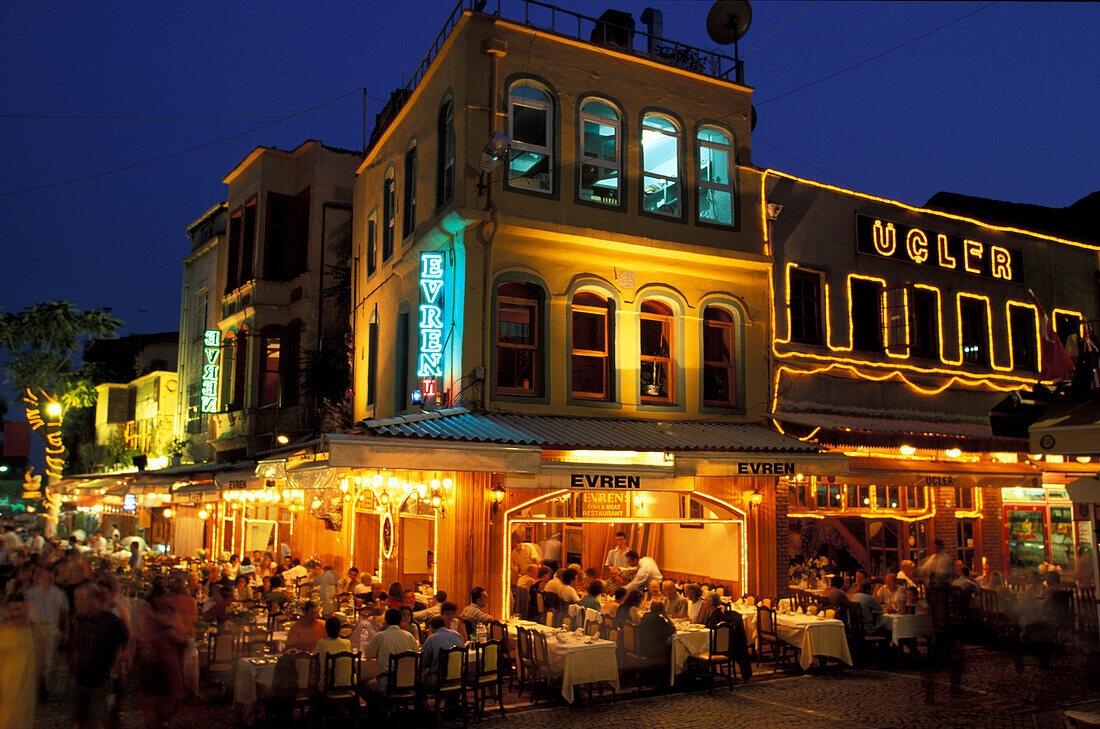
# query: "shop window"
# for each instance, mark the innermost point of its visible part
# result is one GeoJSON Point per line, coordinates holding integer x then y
{"type": "Point", "coordinates": [445, 157]}
{"type": "Point", "coordinates": [600, 167]}
{"type": "Point", "coordinates": [918, 540]}
{"type": "Point", "coordinates": [858, 497]}
{"type": "Point", "coordinates": [719, 385]}
{"type": "Point", "coordinates": [866, 308]}
{"type": "Point", "coordinates": [591, 346]}
{"type": "Point", "coordinates": [805, 306]}
{"type": "Point", "coordinates": [286, 236]}
{"type": "Point", "coordinates": [1022, 321]}
{"type": "Point", "coordinates": [372, 244]}
{"type": "Point", "coordinates": [964, 497]}
{"type": "Point", "coordinates": [884, 546]}
{"type": "Point", "coordinates": [914, 498]}
{"type": "Point", "coordinates": [518, 356]}
{"type": "Point", "coordinates": [966, 530]}
{"type": "Point", "coordinates": [660, 166]}
{"type": "Point", "coordinates": [828, 496]}
{"type": "Point", "coordinates": [389, 214]}
{"type": "Point", "coordinates": [802, 495]}
{"type": "Point", "coordinates": [401, 363]}
{"type": "Point", "coordinates": [714, 150]}
{"type": "Point", "coordinates": [408, 214]}
{"type": "Point", "coordinates": [656, 353]}
{"type": "Point", "coordinates": [1061, 536]}
{"type": "Point", "coordinates": [925, 337]}
{"type": "Point", "coordinates": [531, 121]}
{"type": "Point", "coordinates": [974, 331]}
{"type": "Point", "coordinates": [888, 497]}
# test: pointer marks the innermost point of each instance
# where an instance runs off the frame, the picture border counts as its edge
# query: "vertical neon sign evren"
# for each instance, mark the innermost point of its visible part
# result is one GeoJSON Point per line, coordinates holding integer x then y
{"type": "Point", "coordinates": [429, 365]}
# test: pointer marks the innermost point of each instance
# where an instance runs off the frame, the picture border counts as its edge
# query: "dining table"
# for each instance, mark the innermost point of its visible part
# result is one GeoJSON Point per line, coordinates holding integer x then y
{"type": "Point", "coordinates": [581, 659]}
{"type": "Point", "coordinates": [813, 635]}
{"type": "Point", "coordinates": [902, 627]}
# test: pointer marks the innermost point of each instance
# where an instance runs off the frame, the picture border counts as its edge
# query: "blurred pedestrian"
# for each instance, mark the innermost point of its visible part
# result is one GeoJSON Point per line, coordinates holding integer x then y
{"type": "Point", "coordinates": [95, 651]}
{"type": "Point", "coordinates": [18, 666]}
{"type": "Point", "coordinates": [158, 660]}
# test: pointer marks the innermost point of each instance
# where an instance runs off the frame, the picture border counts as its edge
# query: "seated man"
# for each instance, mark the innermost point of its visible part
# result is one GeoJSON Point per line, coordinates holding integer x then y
{"type": "Point", "coordinates": [611, 607]}
{"type": "Point", "coordinates": [475, 611]}
{"type": "Point", "coordinates": [592, 599]}
{"type": "Point", "coordinates": [871, 610]}
{"type": "Point", "coordinates": [654, 634]}
{"type": "Point", "coordinates": [529, 577]}
{"type": "Point", "coordinates": [347, 584]}
{"type": "Point", "coordinates": [409, 597]}
{"type": "Point", "coordinates": [964, 581]}
{"type": "Point", "coordinates": [441, 638]}
{"type": "Point", "coordinates": [432, 610]}
{"type": "Point", "coordinates": [891, 595]}
{"type": "Point", "coordinates": [305, 633]}
{"type": "Point", "coordinates": [860, 578]}
{"type": "Point", "coordinates": [391, 641]}
{"type": "Point", "coordinates": [333, 643]}
{"type": "Point", "coordinates": [449, 612]}
{"type": "Point", "coordinates": [834, 596]}
{"type": "Point", "coordinates": [675, 605]}
{"type": "Point", "coordinates": [214, 610]}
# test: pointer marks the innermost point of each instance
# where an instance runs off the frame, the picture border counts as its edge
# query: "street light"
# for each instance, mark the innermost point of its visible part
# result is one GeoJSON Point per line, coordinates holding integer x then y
{"type": "Point", "coordinates": [53, 409]}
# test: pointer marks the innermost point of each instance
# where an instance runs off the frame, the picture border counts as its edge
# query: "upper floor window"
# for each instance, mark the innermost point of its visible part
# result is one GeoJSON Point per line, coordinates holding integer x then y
{"type": "Point", "coordinates": [372, 360]}
{"type": "Point", "coordinates": [401, 363]}
{"type": "Point", "coordinates": [600, 153]}
{"type": "Point", "coordinates": [242, 246]}
{"type": "Point", "coordinates": [1067, 325]}
{"type": "Point", "coordinates": [974, 331]}
{"type": "Point", "coordinates": [718, 347]}
{"type": "Point", "coordinates": [389, 214]}
{"type": "Point", "coordinates": [287, 236]}
{"type": "Point", "coordinates": [656, 352]}
{"type": "Point", "coordinates": [660, 165]}
{"type": "Point", "coordinates": [590, 350]}
{"type": "Point", "coordinates": [866, 307]}
{"type": "Point", "coordinates": [278, 383]}
{"type": "Point", "coordinates": [1022, 325]}
{"type": "Point", "coordinates": [445, 164]}
{"type": "Point", "coordinates": [531, 117]}
{"type": "Point", "coordinates": [715, 154]}
{"type": "Point", "coordinates": [372, 243]}
{"type": "Point", "coordinates": [805, 306]}
{"type": "Point", "coordinates": [408, 215]}
{"type": "Point", "coordinates": [518, 339]}
{"type": "Point", "coordinates": [924, 319]}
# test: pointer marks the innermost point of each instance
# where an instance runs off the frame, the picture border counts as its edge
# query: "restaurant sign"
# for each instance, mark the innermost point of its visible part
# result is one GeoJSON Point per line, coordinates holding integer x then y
{"type": "Point", "coordinates": [605, 505]}
{"type": "Point", "coordinates": [429, 364]}
{"type": "Point", "coordinates": [211, 364]}
{"type": "Point", "coordinates": [886, 239]}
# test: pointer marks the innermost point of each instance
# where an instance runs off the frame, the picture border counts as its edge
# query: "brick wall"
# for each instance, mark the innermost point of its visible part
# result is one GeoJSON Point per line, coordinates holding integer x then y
{"type": "Point", "coordinates": [943, 523]}
{"type": "Point", "coordinates": [993, 541]}
{"type": "Point", "coordinates": [782, 539]}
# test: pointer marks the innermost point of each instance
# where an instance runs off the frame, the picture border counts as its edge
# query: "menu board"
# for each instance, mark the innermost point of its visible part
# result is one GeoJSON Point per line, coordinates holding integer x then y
{"type": "Point", "coordinates": [605, 505]}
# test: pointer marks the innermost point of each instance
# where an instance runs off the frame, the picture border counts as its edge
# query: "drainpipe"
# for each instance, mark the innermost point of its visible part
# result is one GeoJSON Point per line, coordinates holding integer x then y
{"type": "Point", "coordinates": [497, 49]}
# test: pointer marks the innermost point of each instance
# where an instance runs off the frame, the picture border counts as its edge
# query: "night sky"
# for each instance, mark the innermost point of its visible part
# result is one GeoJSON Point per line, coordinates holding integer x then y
{"type": "Point", "coordinates": [1001, 104]}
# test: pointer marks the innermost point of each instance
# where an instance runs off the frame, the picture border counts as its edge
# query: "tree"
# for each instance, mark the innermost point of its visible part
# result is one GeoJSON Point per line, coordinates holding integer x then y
{"type": "Point", "coordinates": [44, 343]}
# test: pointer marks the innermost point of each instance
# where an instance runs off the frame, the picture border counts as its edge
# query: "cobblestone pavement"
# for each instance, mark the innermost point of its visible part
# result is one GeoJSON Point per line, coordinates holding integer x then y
{"type": "Point", "coordinates": [979, 688]}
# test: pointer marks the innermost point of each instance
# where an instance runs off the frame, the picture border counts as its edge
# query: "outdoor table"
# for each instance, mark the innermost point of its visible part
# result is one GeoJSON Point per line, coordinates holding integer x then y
{"type": "Point", "coordinates": [580, 659]}
{"type": "Point", "coordinates": [813, 636]}
{"type": "Point", "coordinates": [692, 639]}
{"type": "Point", "coordinates": [250, 673]}
{"type": "Point", "coordinates": [901, 627]}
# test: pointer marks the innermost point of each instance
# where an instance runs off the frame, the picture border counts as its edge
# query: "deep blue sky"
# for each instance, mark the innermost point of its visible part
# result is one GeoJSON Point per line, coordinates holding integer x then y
{"type": "Point", "coordinates": [1002, 104]}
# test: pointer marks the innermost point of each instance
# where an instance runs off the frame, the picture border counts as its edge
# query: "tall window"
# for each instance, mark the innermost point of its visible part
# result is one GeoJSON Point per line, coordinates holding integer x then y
{"type": "Point", "coordinates": [972, 324]}
{"type": "Point", "coordinates": [591, 349]}
{"type": "Point", "coordinates": [240, 370]}
{"type": "Point", "coordinates": [656, 352]}
{"type": "Point", "coordinates": [408, 216]}
{"type": "Point", "coordinates": [660, 165]}
{"type": "Point", "coordinates": [271, 370]}
{"type": "Point", "coordinates": [372, 361]}
{"type": "Point", "coordinates": [401, 363]}
{"type": "Point", "coordinates": [233, 265]}
{"type": "Point", "coordinates": [531, 115]}
{"type": "Point", "coordinates": [719, 389]}
{"type": "Point", "coordinates": [924, 339]}
{"type": "Point", "coordinates": [715, 154]}
{"type": "Point", "coordinates": [600, 161]}
{"type": "Point", "coordinates": [1022, 323]}
{"type": "Point", "coordinates": [805, 306]}
{"type": "Point", "coordinates": [372, 244]}
{"type": "Point", "coordinates": [866, 315]}
{"type": "Point", "coordinates": [278, 367]}
{"type": "Point", "coordinates": [229, 371]}
{"type": "Point", "coordinates": [389, 215]}
{"type": "Point", "coordinates": [966, 535]}
{"type": "Point", "coordinates": [445, 158]}
{"type": "Point", "coordinates": [287, 235]}
{"type": "Point", "coordinates": [517, 339]}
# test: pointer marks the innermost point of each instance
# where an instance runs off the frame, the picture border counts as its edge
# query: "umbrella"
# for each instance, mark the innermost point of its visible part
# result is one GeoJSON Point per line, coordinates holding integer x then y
{"type": "Point", "coordinates": [126, 541]}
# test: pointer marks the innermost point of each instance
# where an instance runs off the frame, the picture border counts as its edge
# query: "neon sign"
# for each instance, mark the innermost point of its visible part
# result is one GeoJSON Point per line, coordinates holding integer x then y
{"type": "Point", "coordinates": [211, 357]}
{"type": "Point", "coordinates": [429, 366]}
{"type": "Point", "coordinates": [893, 240]}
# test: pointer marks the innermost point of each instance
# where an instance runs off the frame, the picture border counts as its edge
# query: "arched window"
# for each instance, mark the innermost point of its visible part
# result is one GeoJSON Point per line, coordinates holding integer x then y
{"type": "Point", "coordinates": [389, 214]}
{"type": "Point", "coordinates": [661, 165]}
{"type": "Point", "coordinates": [531, 121]}
{"type": "Point", "coordinates": [518, 356]}
{"type": "Point", "coordinates": [445, 163]}
{"type": "Point", "coordinates": [656, 353]}
{"type": "Point", "coordinates": [590, 350]}
{"type": "Point", "coordinates": [714, 151]}
{"type": "Point", "coordinates": [719, 383]}
{"type": "Point", "coordinates": [408, 216]}
{"type": "Point", "coordinates": [600, 153]}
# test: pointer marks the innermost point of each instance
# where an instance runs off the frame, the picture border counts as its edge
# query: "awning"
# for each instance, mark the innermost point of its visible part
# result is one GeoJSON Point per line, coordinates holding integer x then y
{"type": "Point", "coordinates": [1084, 490]}
{"type": "Point", "coordinates": [195, 492]}
{"type": "Point", "coordinates": [1068, 428]}
{"type": "Point", "coordinates": [849, 430]}
{"type": "Point", "coordinates": [889, 471]}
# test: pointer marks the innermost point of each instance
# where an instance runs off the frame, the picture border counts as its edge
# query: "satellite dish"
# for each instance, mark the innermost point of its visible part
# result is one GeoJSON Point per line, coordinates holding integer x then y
{"type": "Point", "coordinates": [728, 21]}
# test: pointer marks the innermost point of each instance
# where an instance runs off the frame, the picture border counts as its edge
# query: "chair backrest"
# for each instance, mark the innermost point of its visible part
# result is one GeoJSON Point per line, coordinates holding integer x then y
{"type": "Point", "coordinates": [488, 658]}
{"type": "Point", "coordinates": [765, 621]}
{"type": "Point", "coordinates": [452, 666]}
{"type": "Point", "coordinates": [497, 631]}
{"type": "Point", "coordinates": [830, 613]}
{"type": "Point", "coordinates": [720, 639]}
{"type": "Point", "coordinates": [766, 602]}
{"type": "Point", "coordinates": [628, 637]}
{"type": "Point", "coordinates": [592, 628]}
{"type": "Point", "coordinates": [222, 646]}
{"type": "Point", "coordinates": [540, 602]}
{"type": "Point", "coordinates": [404, 668]}
{"type": "Point", "coordinates": [308, 669]}
{"type": "Point", "coordinates": [540, 652]}
{"type": "Point", "coordinates": [523, 645]}
{"type": "Point", "coordinates": [811, 609]}
{"type": "Point", "coordinates": [341, 671]}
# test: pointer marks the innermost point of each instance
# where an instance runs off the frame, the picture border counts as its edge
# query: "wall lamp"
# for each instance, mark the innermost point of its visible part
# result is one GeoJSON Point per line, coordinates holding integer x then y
{"type": "Point", "coordinates": [756, 498]}
{"type": "Point", "coordinates": [498, 496]}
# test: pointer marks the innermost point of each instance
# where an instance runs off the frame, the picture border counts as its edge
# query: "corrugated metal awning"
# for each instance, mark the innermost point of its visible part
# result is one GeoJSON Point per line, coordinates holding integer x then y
{"type": "Point", "coordinates": [843, 430]}
{"type": "Point", "coordinates": [1069, 428]}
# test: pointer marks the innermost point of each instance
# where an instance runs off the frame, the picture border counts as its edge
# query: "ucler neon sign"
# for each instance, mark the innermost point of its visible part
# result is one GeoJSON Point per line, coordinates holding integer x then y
{"type": "Point", "coordinates": [429, 365]}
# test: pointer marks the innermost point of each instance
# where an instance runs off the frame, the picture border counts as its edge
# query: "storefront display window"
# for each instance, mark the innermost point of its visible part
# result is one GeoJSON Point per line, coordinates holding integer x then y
{"type": "Point", "coordinates": [1026, 543]}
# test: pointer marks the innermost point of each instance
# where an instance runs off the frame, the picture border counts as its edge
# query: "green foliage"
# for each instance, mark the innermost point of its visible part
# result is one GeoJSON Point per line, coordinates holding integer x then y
{"type": "Point", "coordinates": [43, 343]}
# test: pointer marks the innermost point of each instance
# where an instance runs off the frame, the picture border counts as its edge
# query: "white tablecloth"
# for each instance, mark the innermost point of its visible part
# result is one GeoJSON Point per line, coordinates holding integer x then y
{"type": "Point", "coordinates": [690, 640]}
{"type": "Point", "coordinates": [579, 661]}
{"type": "Point", "coordinates": [813, 637]}
{"type": "Point", "coordinates": [250, 673]}
{"type": "Point", "coordinates": [908, 626]}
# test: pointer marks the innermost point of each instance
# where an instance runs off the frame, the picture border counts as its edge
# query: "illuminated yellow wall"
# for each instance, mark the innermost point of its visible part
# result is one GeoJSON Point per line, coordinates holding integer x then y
{"type": "Point", "coordinates": [555, 241]}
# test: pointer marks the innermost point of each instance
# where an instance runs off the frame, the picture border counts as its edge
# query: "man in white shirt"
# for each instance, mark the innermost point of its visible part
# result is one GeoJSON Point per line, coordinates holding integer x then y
{"type": "Point", "coordinates": [391, 641]}
{"type": "Point", "coordinates": [36, 543]}
{"type": "Point", "coordinates": [524, 554]}
{"type": "Point", "coordinates": [891, 594]}
{"type": "Point", "coordinates": [617, 556]}
{"type": "Point", "coordinates": [562, 586]}
{"type": "Point", "coordinates": [646, 570]}
{"type": "Point", "coordinates": [551, 551]}
{"type": "Point", "coordinates": [48, 609]}
{"type": "Point", "coordinates": [296, 574]}
{"type": "Point", "coordinates": [906, 576]}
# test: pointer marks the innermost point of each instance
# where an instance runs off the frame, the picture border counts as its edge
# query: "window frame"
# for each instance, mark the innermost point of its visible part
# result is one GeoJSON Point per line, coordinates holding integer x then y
{"type": "Point", "coordinates": [547, 105]}
{"type": "Point", "coordinates": [984, 355]}
{"type": "Point", "coordinates": [668, 326]}
{"type": "Point", "coordinates": [818, 284]}
{"type": "Point", "coordinates": [389, 213]}
{"type": "Point", "coordinates": [879, 328]}
{"type": "Point", "coordinates": [584, 117]}
{"type": "Point", "coordinates": [1020, 343]}
{"type": "Point", "coordinates": [701, 185]}
{"type": "Point", "coordinates": [372, 243]}
{"type": "Point", "coordinates": [920, 296]}
{"type": "Point", "coordinates": [605, 355]}
{"type": "Point", "coordinates": [445, 163]}
{"type": "Point", "coordinates": [408, 205]}
{"type": "Point", "coordinates": [731, 327]}
{"type": "Point", "coordinates": [678, 135]}
{"type": "Point", "coordinates": [536, 349]}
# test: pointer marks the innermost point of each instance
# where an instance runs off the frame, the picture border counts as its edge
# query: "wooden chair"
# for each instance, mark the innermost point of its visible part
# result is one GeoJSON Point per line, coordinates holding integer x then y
{"type": "Point", "coordinates": [293, 687]}
{"type": "Point", "coordinates": [592, 628]}
{"type": "Point", "coordinates": [546, 674]}
{"type": "Point", "coordinates": [499, 633]}
{"type": "Point", "coordinates": [719, 657]}
{"type": "Point", "coordinates": [401, 686]}
{"type": "Point", "coordinates": [451, 683]}
{"type": "Point", "coordinates": [770, 642]}
{"type": "Point", "coordinates": [339, 687]}
{"type": "Point", "coordinates": [630, 659]}
{"type": "Point", "coordinates": [859, 642]}
{"type": "Point", "coordinates": [527, 670]}
{"type": "Point", "coordinates": [223, 650]}
{"type": "Point", "coordinates": [488, 679]}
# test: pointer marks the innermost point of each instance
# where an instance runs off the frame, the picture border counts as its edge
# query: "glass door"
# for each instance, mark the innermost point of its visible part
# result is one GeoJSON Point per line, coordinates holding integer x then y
{"type": "Point", "coordinates": [1025, 536]}
{"type": "Point", "coordinates": [1061, 535]}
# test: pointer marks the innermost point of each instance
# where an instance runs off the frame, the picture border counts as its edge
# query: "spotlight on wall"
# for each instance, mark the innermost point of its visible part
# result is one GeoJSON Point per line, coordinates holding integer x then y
{"type": "Point", "coordinates": [498, 497]}
{"type": "Point", "coordinates": [494, 151]}
{"type": "Point", "coordinates": [282, 439]}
